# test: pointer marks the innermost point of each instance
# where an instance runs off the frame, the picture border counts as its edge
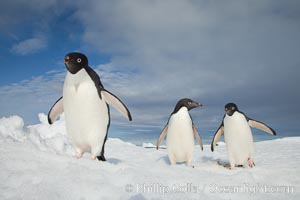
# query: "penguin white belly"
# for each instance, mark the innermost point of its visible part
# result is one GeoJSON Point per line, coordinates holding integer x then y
{"type": "Point", "coordinates": [238, 139]}
{"type": "Point", "coordinates": [180, 138]}
{"type": "Point", "coordinates": [86, 114]}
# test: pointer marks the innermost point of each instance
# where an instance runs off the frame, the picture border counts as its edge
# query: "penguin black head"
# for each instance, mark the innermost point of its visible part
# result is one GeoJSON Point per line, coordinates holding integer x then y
{"type": "Point", "coordinates": [188, 103]}
{"type": "Point", "coordinates": [230, 108]}
{"type": "Point", "coordinates": [75, 62]}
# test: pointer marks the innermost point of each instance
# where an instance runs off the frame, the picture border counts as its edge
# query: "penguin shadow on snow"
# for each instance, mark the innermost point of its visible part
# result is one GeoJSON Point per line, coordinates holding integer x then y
{"type": "Point", "coordinates": [165, 159]}
{"type": "Point", "coordinates": [210, 161]}
{"type": "Point", "coordinates": [114, 161]}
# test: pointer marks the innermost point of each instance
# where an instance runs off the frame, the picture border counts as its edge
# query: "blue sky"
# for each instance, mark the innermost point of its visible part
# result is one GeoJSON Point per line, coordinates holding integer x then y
{"type": "Point", "coordinates": [153, 53]}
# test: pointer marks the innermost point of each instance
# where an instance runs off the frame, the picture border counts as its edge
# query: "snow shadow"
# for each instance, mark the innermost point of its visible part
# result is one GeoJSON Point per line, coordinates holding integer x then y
{"type": "Point", "coordinates": [114, 161]}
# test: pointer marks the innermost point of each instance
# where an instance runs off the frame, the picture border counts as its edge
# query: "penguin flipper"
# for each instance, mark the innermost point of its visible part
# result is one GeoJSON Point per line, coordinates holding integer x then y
{"type": "Point", "coordinates": [259, 125]}
{"type": "Point", "coordinates": [161, 136]}
{"type": "Point", "coordinates": [111, 99]}
{"type": "Point", "coordinates": [217, 136]}
{"type": "Point", "coordinates": [197, 135]}
{"type": "Point", "coordinates": [55, 110]}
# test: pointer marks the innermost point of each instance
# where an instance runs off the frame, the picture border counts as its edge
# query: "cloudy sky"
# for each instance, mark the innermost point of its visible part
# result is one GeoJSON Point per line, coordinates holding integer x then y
{"type": "Point", "coordinates": [151, 53]}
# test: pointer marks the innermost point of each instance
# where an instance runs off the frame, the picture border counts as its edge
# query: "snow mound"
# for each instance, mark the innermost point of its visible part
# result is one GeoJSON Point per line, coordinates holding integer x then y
{"type": "Point", "coordinates": [36, 162]}
{"type": "Point", "coordinates": [12, 128]}
{"type": "Point", "coordinates": [148, 145]}
{"type": "Point", "coordinates": [43, 136]}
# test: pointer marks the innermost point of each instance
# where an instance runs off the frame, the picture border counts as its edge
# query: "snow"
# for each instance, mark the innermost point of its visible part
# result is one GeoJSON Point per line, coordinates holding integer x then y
{"type": "Point", "coordinates": [36, 162]}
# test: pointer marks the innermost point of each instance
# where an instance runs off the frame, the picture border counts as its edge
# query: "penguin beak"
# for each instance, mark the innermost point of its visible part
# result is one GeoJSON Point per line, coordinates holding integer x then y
{"type": "Point", "coordinates": [229, 112]}
{"type": "Point", "coordinates": [199, 105]}
{"type": "Point", "coordinates": [196, 104]}
{"type": "Point", "coordinates": [67, 59]}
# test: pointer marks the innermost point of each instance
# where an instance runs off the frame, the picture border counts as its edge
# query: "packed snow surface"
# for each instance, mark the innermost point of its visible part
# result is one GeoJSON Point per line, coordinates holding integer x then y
{"type": "Point", "coordinates": [36, 162]}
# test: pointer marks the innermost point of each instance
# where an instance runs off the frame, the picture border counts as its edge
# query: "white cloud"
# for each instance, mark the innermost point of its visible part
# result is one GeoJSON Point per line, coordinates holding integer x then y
{"type": "Point", "coordinates": [32, 96]}
{"type": "Point", "coordinates": [215, 52]}
{"type": "Point", "coordinates": [29, 46]}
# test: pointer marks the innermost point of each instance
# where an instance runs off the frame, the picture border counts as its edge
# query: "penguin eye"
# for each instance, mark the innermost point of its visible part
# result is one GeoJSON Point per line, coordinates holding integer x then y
{"type": "Point", "coordinates": [232, 108]}
{"type": "Point", "coordinates": [189, 102]}
{"type": "Point", "coordinates": [79, 60]}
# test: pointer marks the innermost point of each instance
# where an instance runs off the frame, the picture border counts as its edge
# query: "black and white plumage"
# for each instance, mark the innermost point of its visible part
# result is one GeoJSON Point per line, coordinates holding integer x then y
{"type": "Point", "coordinates": [180, 131]}
{"type": "Point", "coordinates": [238, 136]}
{"type": "Point", "coordinates": [85, 103]}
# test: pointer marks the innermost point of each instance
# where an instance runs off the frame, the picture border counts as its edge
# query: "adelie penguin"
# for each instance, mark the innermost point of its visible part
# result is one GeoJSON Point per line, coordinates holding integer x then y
{"type": "Point", "coordinates": [85, 103]}
{"type": "Point", "coordinates": [238, 136]}
{"type": "Point", "coordinates": [180, 131]}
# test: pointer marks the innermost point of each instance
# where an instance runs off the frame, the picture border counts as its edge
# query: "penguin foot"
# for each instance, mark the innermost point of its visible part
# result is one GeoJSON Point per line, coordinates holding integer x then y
{"type": "Point", "coordinates": [231, 168]}
{"type": "Point", "coordinates": [251, 162]}
{"type": "Point", "coordinates": [232, 165]}
{"type": "Point", "coordinates": [78, 155]}
{"type": "Point", "coordinates": [189, 164]}
{"type": "Point", "coordinates": [172, 160]}
{"type": "Point", "coordinates": [173, 163]}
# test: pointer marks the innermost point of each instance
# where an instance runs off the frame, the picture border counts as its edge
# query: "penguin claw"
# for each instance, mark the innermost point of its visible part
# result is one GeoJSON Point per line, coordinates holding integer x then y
{"type": "Point", "coordinates": [189, 164]}
{"type": "Point", "coordinates": [251, 162]}
{"type": "Point", "coordinates": [78, 155]}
